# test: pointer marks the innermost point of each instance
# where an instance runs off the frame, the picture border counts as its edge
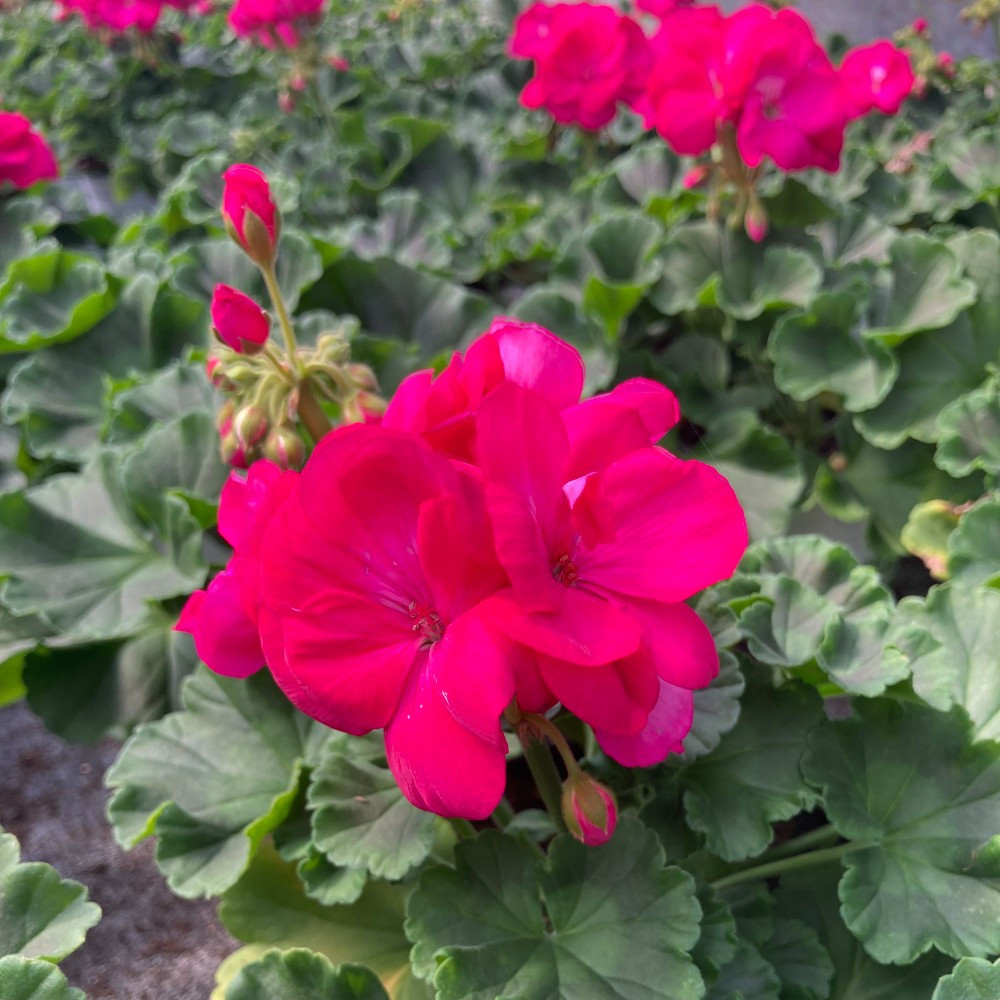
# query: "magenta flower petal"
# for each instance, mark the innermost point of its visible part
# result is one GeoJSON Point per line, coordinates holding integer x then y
{"type": "Point", "coordinates": [668, 724]}
{"type": "Point", "coordinates": [680, 528]}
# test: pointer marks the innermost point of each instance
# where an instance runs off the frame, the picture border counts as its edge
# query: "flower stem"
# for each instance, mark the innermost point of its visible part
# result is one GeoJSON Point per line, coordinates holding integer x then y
{"type": "Point", "coordinates": [311, 413]}
{"type": "Point", "coordinates": [807, 841]}
{"type": "Point", "coordinates": [463, 828]}
{"type": "Point", "coordinates": [324, 109]}
{"type": "Point", "coordinates": [503, 813]}
{"type": "Point", "coordinates": [284, 320]}
{"type": "Point", "coordinates": [543, 770]}
{"type": "Point", "coordinates": [780, 867]}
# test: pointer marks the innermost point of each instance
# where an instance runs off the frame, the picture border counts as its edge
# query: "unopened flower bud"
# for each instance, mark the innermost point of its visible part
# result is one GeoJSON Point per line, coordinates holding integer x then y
{"type": "Point", "coordinates": [371, 406]}
{"type": "Point", "coordinates": [250, 424]}
{"type": "Point", "coordinates": [213, 369]}
{"type": "Point", "coordinates": [332, 346]}
{"type": "Point", "coordinates": [361, 375]}
{"type": "Point", "coordinates": [251, 216]}
{"type": "Point", "coordinates": [232, 452]}
{"type": "Point", "coordinates": [920, 26]}
{"type": "Point", "coordinates": [224, 418]}
{"type": "Point", "coordinates": [238, 321]}
{"type": "Point", "coordinates": [297, 81]}
{"type": "Point", "coordinates": [589, 809]}
{"type": "Point", "coordinates": [339, 63]}
{"type": "Point", "coordinates": [755, 221]}
{"type": "Point", "coordinates": [696, 176]}
{"type": "Point", "coordinates": [286, 103]}
{"type": "Point", "coordinates": [284, 447]}
{"type": "Point", "coordinates": [946, 63]}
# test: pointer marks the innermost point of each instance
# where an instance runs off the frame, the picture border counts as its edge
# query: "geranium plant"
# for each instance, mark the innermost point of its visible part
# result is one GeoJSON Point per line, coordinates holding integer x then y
{"type": "Point", "coordinates": [427, 509]}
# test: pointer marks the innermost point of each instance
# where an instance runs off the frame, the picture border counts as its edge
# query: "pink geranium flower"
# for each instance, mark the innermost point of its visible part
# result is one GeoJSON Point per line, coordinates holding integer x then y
{"type": "Point", "coordinates": [599, 569]}
{"type": "Point", "coordinates": [223, 618]}
{"type": "Point", "coordinates": [588, 58]}
{"type": "Point", "coordinates": [25, 157]}
{"type": "Point", "coordinates": [374, 574]}
{"type": "Point", "coordinates": [876, 76]}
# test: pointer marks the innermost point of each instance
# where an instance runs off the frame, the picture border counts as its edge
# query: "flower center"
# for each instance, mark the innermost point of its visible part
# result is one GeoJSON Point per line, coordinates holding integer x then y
{"type": "Point", "coordinates": [565, 571]}
{"type": "Point", "coordinates": [426, 623]}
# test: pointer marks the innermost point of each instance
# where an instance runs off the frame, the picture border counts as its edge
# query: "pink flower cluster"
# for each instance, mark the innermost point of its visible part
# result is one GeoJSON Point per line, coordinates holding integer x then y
{"type": "Point", "coordinates": [493, 542]}
{"type": "Point", "coordinates": [273, 23]}
{"type": "Point", "coordinates": [25, 157]}
{"type": "Point", "coordinates": [758, 77]}
{"type": "Point", "coordinates": [119, 16]}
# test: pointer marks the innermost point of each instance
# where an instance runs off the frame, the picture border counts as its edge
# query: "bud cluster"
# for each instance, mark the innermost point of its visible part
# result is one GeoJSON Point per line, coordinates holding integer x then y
{"type": "Point", "coordinates": [269, 391]}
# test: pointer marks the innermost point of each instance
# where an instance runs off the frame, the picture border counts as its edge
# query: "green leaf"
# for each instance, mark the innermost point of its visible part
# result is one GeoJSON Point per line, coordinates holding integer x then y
{"type": "Point", "coordinates": [926, 535]}
{"type": "Point", "coordinates": [921, 803]}
{"type": "Point", "coordinates": [818, 603]}
{"type": "Point", "coordinates": [268, 907]}
{"type": "Point", "coordinates": [718, 942]}
{"type": "Point", "coordinates": [33, 979]}
{"type": "Point", "coordinates": [398, 302]}
{"type": "Point", "coordinates": [85, 693]}
{"type": "Point", "coordinates": [803, 965]}
{"type": "Point", "coordinates": [752, 778]}
{"type": "Point", "coordinates": [52, 296]}
{"type": "Point", "coordinates": [304, 975]}
{"type": "Point", "coordinates": [760, 466]}
{"type": "Point", "coordinates": [950, 640]}
{"type": "Point", "coordinates": [327, 883]}
{"type": "Point", "coordinates": [922, 290]}
{"type": "Point", "coordinates": [747, 976]}
{"type": "Point", "coordinates": [974, 546]}
{"type": "Point", "coordinates": [969, 432]}
{"type": "Point", "coordinates": [361, 819]}
{"type": "Point", "coordinates": [811, 897]}
{"type": "Point", "coordinates": [186, 779]}
{"type": "Point", "coordinates": [79, 556]}
{"type": "Point", "coordinates": [619, 924]}
{"type": "Point", "coordinates": [973, 979]}
{"type": "Point", "coordinates": [41, 915]}
{"type": "Point", "coordinates": [60, 395]}
{"type": "Point", "coordinates": [935, 369]}
{"type": "Point", "coordinates": [821, 350]}
{"type": "Point", "coordinates": [716, 709]}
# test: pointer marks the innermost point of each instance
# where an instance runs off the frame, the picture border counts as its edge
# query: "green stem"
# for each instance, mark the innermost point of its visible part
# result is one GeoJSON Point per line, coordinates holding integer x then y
{"type": "Point", "coordinates": [284, 320]}
{"type": "Point", "coordinates": [324, 109]}
{"type": "Point", "coordinates": [780, 867]}
{"type": "Point", "coordinates": [806, 842]}
{"type": "Point", "coordinates": [311, 413]}
{"type": "Point", "coordinates": [543, 770]}
{"type": "Point", "coordinates": [463, 828]}
{"type": "Point", "coordinates": [503, 814]}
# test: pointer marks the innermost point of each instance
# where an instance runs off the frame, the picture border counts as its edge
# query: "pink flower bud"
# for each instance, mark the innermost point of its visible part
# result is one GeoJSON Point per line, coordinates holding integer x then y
{"type": "Point", "coordinates": [920, 25]}
{"type": "Point", "coordinates": [238, 321]}
{"type": "Point", "coordinates": [250, 213]}
{"type": "Point", "coordinates": [250, 424]}
{"type": "Point", "coordinates": [286, 102]}
{"type": "Point", "coordinates": [284, 447]}
{"type": "Point", "coordinates": [946, 63]}
{"type": "Point", "coordinates": [297, 82]}
{"type": "Point", "coordinates": [755, 222]}
{"type": "Point", "coordinates": [232, 452]}
{"type": "Point", "coordinates": [589, 809]}
{"type": "Point", "coordinates": [213, 369]}
{"type": "Point", "coordinates": [696, 176]}
{"type": "Point", "coordinates": [339, 63]}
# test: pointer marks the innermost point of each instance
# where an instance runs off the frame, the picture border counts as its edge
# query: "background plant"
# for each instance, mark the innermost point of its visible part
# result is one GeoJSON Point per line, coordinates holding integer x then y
{"type": "Point", "coordinates": [844, 369]}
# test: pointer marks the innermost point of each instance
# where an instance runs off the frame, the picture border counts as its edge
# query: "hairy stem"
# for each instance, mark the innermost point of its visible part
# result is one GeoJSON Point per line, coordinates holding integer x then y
{"type": "Point", "coordinates": [543, 770]}
{"type": "Point", "coordinates": [768, 870]}
{"type": "Point", "coordinates": [311, 413]}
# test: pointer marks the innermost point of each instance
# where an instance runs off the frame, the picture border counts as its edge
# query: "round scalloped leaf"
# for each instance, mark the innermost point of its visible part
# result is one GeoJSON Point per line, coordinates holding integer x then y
{"type": "Point", "coordinates": [304, 975]}
{"type": "Point", "coordinates": [921, 803]}
{"type": "Point", "coordinates": [820, 351]}
{"type": "Point", "coordinates": [268, 908]}
{"type": "Point", "coordinates": [969, 432]}
{"type": "Point", "coordinates": [923, 289]}
{"type": "Point", "coordinates": [950, 641]}
{"type": "Point", "coordinates": [974, 546]}
{"type": "Point", "coordinates": [811, 897]}
{"type": "Point", "coordinates": [78, 553]}
{"type": "Point", "coordinates": [607, 921]}
{"type": "Point", "coordinates": [360, 818]}
{"type": "Point", "coordinates": [716, 709]}
{"type": "Point", "coordinates": [41, 915]}
{"type": "Point", "coordinates": [935, 369]}
{"type": "Point", "coordinates": [185, 778]}
{"type": "Point", "coordinates": [33, 979]}
{"type": "Point", "coordinates": [52, 296]}
{"type": "Point", "coordinates": [752, 778]}
{"type": "Point", "coordinates": [973, 979]}
{"type": "Point", "coordinates": [747, 976]}
{"type": "Point", "coordinates": [802, 963]}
